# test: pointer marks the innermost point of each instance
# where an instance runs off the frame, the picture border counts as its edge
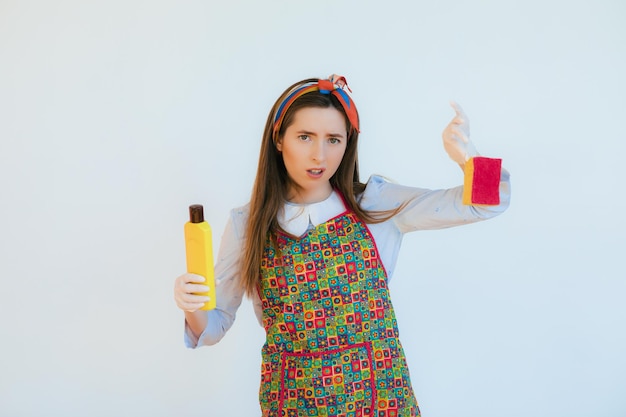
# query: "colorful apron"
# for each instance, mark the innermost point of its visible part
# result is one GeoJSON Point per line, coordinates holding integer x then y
{"type": "Point", "coordinates": [332, 345]}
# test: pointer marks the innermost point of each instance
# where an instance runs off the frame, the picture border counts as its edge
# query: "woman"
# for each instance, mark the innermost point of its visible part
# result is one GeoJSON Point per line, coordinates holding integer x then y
{"type": "Point", "coordinates": [314, 249]}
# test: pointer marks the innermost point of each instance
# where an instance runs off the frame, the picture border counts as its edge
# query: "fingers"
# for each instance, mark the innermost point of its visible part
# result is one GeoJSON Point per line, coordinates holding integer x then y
{"type": "Point", "coordinates": [458, 134]}
{"type": "Point", "coordinates": [457, 108]}
{"type": "Point", "coordinates": [461, 121]}
{"type": "Point", "coordinates": [189, 277]}
{"type": "Point", "coordinates": [190, 283]}
{"type": "Point", "coordinates": [186, 290]}
{"type": "Point", "coordinates": [460, 116]}
{"type": "Point", "coordinates": [190, 302]}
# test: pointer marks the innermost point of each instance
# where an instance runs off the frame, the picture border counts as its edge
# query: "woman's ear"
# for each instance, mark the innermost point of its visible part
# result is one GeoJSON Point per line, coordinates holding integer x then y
{"type": "Point", "coordinates": [279, 144]}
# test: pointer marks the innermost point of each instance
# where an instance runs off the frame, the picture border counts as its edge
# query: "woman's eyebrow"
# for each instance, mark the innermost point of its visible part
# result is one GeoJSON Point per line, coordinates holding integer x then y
{"type": "Point", "coordinates": [307, 132]}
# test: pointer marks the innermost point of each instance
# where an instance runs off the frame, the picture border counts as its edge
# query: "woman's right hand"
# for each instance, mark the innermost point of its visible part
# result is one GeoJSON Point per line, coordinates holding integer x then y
{"type": "Point", "coordinates": [184, 288]}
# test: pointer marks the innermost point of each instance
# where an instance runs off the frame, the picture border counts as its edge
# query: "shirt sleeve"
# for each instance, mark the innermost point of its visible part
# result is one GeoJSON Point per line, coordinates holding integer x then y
{"type": "Point", "coordinates": [426, 209]}
{"type": "Point", "coordinates": [229, 293]}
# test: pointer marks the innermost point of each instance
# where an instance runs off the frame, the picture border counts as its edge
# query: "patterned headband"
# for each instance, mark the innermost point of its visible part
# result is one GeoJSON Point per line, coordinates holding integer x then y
{"type": "Point", "coordinates": [333, 85]}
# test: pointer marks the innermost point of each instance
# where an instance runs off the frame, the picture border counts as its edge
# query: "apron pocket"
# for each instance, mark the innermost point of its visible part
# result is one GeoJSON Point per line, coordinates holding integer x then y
{"type": "Point", "coordinates": [331, 383]}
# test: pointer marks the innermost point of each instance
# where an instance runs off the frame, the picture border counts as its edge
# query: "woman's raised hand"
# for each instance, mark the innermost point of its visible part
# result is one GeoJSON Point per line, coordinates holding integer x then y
{"type": "Point", "coordinates": [184, 288]}
{"type": "Point", "coordinates": [456, 139]}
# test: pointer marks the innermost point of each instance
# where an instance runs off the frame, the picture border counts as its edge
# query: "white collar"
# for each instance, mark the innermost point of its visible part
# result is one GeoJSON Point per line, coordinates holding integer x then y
{"type": "Point", "coordinates": [296, 218]}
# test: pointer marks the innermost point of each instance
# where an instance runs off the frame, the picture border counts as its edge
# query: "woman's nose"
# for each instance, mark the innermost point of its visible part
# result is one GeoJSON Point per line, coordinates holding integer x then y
{"type": "Point", "coordinates": [319, 151]}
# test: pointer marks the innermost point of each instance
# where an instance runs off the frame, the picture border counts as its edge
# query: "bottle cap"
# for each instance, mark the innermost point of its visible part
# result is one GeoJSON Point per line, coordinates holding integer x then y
{"type": "Point", "coordinates": [196, 213]}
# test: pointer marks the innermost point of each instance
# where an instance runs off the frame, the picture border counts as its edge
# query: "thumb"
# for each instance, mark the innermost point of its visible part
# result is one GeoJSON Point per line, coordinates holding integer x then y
{"type": "Point", "coordinates": [457, 108]}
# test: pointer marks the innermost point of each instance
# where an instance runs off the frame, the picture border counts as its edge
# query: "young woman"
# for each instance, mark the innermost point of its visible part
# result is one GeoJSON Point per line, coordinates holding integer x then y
{"type": "Point", "coordinates": [314, 249]}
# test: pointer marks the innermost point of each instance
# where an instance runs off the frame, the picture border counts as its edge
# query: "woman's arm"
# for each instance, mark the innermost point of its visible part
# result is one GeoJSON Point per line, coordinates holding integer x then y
{"type": "Point", "coordinates": [208, 327]}
{"type": "Point", "coordinates": [425, 209]}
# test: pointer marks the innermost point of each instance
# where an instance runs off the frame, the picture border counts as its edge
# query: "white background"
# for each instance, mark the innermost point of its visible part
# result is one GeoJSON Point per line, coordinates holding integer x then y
{"type": "Point", "coordinates": [116, 115]}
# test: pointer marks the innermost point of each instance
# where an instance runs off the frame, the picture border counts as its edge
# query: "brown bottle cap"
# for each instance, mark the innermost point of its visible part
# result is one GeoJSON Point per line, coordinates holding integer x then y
{"type": "Point", "coordinates": [196, 213]}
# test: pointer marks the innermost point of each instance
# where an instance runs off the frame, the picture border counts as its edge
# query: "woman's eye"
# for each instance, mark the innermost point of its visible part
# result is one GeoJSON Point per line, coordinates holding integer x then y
{"type": "Point", "coordinates": [334, 140]}
{"type": "Point", "coordinates": [303, 137]}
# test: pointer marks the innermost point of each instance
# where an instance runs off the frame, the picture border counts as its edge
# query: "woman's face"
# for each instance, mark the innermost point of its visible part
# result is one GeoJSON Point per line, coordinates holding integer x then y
{"type": "Point", "coordinates": [312, 148]}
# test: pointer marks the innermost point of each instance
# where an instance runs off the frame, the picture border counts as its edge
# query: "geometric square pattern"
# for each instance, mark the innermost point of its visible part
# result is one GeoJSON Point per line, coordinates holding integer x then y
{"type": "Point", "coordinates": [339, 382]}
{"type": "Point", "coordinates": [332, 346]}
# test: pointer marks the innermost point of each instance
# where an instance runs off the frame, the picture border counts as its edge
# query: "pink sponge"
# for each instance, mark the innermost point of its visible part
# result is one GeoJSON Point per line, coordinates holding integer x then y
{"type": "Point", "coordinates": [482, 181]}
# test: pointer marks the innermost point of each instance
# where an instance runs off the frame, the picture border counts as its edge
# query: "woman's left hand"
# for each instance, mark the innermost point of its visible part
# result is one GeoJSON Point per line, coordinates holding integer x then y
{"type": "Point", "coordinates": [456, 139]}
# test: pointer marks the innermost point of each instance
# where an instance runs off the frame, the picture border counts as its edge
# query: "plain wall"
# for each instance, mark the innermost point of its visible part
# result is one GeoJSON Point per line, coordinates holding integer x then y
{"type": "Point", "coordinates": [116, 115]}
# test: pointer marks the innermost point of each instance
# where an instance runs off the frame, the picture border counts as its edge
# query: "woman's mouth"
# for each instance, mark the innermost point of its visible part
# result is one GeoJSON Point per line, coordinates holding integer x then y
{"type": "Point", "coordinates": [315, 173]}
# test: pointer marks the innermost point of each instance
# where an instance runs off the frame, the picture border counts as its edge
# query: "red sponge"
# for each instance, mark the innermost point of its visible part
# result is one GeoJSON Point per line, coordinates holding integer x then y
{"type": "Point", "coordinates": [482, 181]}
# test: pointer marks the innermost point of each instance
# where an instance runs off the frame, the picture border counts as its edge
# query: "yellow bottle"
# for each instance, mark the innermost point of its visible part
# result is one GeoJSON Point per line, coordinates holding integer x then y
{"type": "Point", "coordinates": [199, 250]}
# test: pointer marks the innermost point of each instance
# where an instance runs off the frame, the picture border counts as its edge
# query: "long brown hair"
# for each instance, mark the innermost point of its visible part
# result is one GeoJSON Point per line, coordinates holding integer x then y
{"type": "Point", "coordinates": [272, 183]}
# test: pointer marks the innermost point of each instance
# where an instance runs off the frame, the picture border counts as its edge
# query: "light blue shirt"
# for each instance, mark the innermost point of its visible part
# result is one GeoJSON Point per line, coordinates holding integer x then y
{"type": "Point", "coordinates": [424, 210]}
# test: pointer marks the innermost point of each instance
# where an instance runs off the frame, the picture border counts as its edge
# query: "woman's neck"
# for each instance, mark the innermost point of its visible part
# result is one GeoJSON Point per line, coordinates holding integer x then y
{"type": "Point", "coordinates": [302, 196]}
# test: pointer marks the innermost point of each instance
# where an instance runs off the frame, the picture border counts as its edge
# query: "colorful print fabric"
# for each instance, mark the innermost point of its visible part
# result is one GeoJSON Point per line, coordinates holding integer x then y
{"type": "Point", "coordinates": [332, 345]}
